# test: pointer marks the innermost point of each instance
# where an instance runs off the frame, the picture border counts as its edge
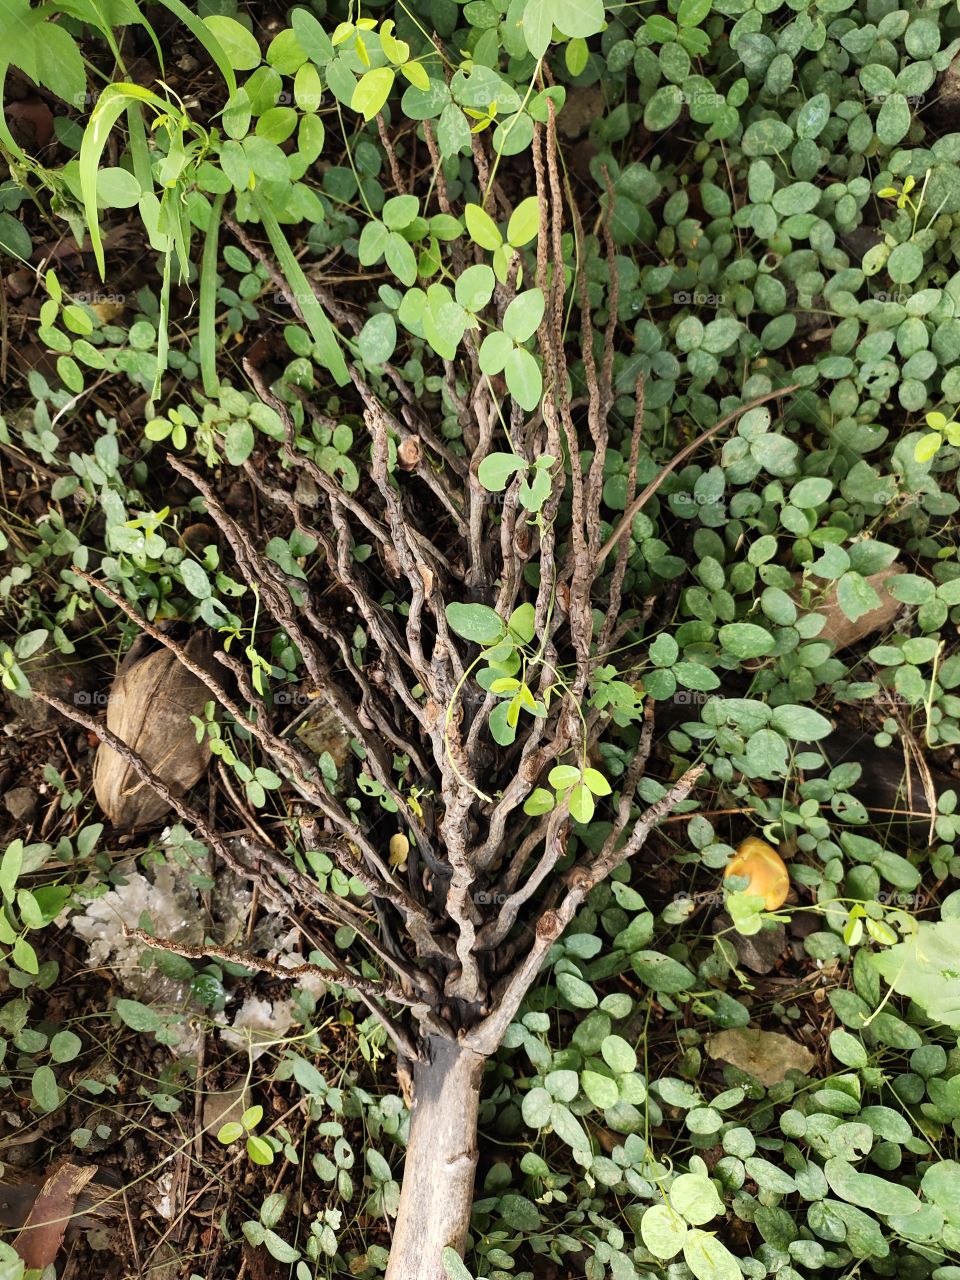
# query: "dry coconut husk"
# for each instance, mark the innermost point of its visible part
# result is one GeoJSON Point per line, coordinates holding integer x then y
{"type": "Point", "coordinates": [150, 705]}
{"type": "Point", "coordinates": [839, 630]}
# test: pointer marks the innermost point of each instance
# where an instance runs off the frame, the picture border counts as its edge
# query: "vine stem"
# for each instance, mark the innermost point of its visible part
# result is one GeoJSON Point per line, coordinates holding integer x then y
{"type": "Point", "coordinates": [642, 498]}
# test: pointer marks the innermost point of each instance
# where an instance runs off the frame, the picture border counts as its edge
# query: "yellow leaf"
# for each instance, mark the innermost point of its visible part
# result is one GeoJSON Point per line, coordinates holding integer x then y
{"type": "Point", "coordinates": [416, 75]}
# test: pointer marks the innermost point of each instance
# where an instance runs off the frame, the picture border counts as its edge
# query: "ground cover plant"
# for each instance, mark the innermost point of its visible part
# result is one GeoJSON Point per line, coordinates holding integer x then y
{"type": "Point", "coordinates": [479, 602]}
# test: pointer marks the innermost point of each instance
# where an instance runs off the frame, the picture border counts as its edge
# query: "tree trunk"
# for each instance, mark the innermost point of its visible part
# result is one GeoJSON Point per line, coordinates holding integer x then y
{"type": "Point", "coordinates": [437, 1192]}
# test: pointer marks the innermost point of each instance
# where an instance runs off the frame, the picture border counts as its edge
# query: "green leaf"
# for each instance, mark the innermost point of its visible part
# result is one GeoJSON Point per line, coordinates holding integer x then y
{"type": "Point", "coordinates": [662, 973]}
{"type": "Point", "coordinates": [117, 189]}
{"type": "Point", "coordinates": [400, 211]}
{"type": "Point", "coordinates": [811, 492]}
{"type": "Point", "coordinates": [538, 26]}
{"type": "Point", "coordinates": [925, 968]}
{"type": "Point", "coordinates": [25, 956]}
{"type": "Point", "coordinates": [601, 1090]}
{"type": "Point", "coordinates": [377, 339]}
{"type": "Point", "coordinates": [519, 1213]}
{"type": "Point", "coordinates": [927, 447]}
{"type": "Point", "coordinates": [663, 108]}
{"type": "Point", "coordinates": [453, 1265]}
{"type": "Point", "coordinates": [803, 724]}
{"type": "Point", "coordinates": [10, 866]}
{"type": "Point", "coordinates": [230, 1132]}
{"type": "Point", "coordinates": [496, 470]}
{"type": "Point", "coordinates": [583, 18]}
{"type": "Point", "coordinates": [562, 776]}
{"type": "Point", "coordinates": [537, 802]}
{"type": "Point", "coordinates": [856, 596]}
{"type": "Point", "coordinates": [476, 622]}
{"type": "Point", "coordinates": [494, 351]}
{"type": "Point", "coordinates": [745, 640]}
{"type": "Point", "coordinates": [813, 116]}
{"type": "Point", "coordinates": [503, 724]}
{"type": "Point", "coordinates": [581, 804]}
{"type": "Point", "coordinates": [401, 259]}
{"type": "Point", "coordinates": [481, 227]}
{"type": "Point", "coordinates": [236, 41]}
{"type": "Point", "coordinates": [596, 782]}
{"type": "Point", "coordinates": [663, 1231]}
{"type": "Point", "coordinates": [523, 315]}
{"type": "Point", "coordinates": [708, 1258]}
{"type": "Point", "coordinates": [524, 381]}
{"type": "Point", "coordinates": [372, 243]}
{"type": "Point", "coordinates": [576, 992]}
{"type": "Point", "coordinates": [259, 1150]}
{"type": "Point", "coordinates": [882, 1195]}
{"type": "Point", "coordinates": [893, 119]}
{"type": "Point", "coordinates": [195, 579]}
{"type": "Point", "coordinates": [277, 125]}
{"type": "Point", "coordinates": [576, 56]}
{"type": "Point", "coordinates": [521, 623]}
{"type": "Point", "coordinates": [905, 263]}
{"type": "Point", "coordinates": [238, 442]}
{"type": "Point", "coordinates": [373, 89]}
{"type": "Point", "coordinates": [43, 1086]}
{"type": "Point", "coordinates": [692, 12]}
{"type": "Point", "coordinates": [524, 222]}
{"type": "Point", "coordinates": [138, 1016]}
{"type": "Point", "coordinates": [848, 1049]}
{"type": "Point", "coordinates": [307, 88]}
{"type": "Point", "coordinates": [59, 63]}
{"type": "Point", "coordinates": [111, 104]}
{"type": "Point", "coordinates": [453, 131]}
{"type": "Point", "coordinates": [474, 288]}
{"type": "Point", "coordinates": [767, 754]}
{"type": "Point", "coordinates": [695, 1197]}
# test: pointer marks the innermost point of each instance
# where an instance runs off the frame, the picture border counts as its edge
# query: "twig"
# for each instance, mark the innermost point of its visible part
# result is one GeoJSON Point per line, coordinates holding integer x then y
{"type": "Point", "coordinates": [642, 498]}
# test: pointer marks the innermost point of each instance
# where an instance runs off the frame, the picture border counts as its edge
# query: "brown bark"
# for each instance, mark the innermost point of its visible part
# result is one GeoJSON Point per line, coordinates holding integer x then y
{"type": "Point", "coordinates": [441, 1162]}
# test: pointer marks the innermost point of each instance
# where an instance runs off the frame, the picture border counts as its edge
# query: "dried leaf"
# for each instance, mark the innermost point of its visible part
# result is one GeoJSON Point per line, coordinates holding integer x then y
{"type": "Point", "coordinates": [767, 1055]}
{"type": "Point", "coordinates": [39, 1241]}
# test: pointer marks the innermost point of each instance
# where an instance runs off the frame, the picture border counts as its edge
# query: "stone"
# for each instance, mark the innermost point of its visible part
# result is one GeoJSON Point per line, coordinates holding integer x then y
{"type": "Point", "coordinates": [758, 952]}
{"type": "Point", "coordinates": [21, 804]}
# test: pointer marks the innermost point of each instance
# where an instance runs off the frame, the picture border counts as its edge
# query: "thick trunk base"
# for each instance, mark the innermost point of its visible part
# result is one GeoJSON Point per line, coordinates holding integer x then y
{"type": "Point", "coordinates": [437, 1192]}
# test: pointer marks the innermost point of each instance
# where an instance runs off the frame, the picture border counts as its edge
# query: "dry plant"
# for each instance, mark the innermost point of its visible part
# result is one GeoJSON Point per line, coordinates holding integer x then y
{"type": "Point", "coordinates": [462, 934]}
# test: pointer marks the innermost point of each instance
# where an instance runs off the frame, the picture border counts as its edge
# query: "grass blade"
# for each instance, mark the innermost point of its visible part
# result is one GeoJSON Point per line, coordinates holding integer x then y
{"type": "Point", "coordinates": [322, 331]}
{"type": "Point", "coordinates": [205, 36]}
{"type": "Point", "coordinates": [110, 105]}
{"type": "Point", "coordinates": [207, 338]}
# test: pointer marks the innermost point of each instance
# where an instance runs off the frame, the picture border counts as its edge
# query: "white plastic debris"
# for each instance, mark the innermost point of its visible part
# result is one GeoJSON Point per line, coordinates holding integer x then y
{"type": "Point", "coordinates": [258, 1024]}
{"type": "Point", "coordinates": [170, 902]}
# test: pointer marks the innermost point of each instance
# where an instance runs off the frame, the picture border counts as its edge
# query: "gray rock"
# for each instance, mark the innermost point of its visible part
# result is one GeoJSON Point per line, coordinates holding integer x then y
{"type": "Point", "coordinates": [21, 804]}
{"type": "Point", "coordinates": [758, 952]}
